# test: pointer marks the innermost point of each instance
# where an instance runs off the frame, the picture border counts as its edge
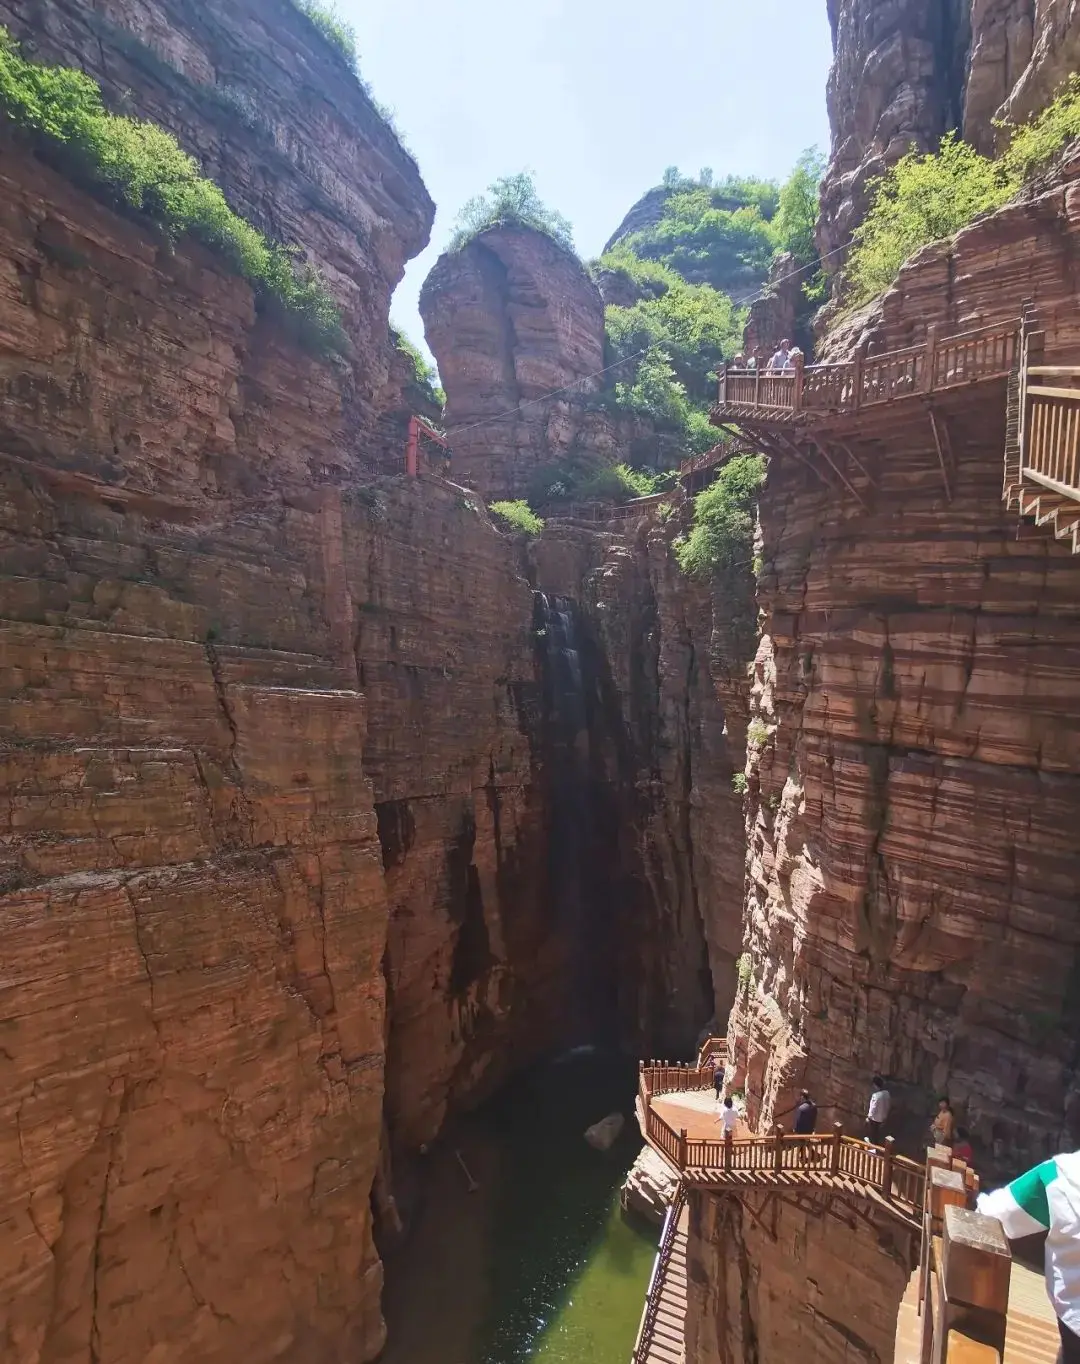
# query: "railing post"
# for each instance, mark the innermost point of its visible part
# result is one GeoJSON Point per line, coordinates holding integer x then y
{"type": "Point", "coordinates": [887, 1166]}
{"type": "Point", "coordinates": [721, 375]}
{"type": "Point", "coordinates": [837, 1142]}
{"type": "Point", "coordinates": [757, 385]}
{"type": "Point", "coordinates": [682, 1148]}
{"type": "Point", "coordinates": [728, 1149]}
{"type": "Point", "coordinates": [930, 359]}
{"type": "Point", "coordinates": [856, 377]}
{"type": "Point", "coordinates": [778, 1149]}
{"type": "Point", "coordinates": [797, 396]}
{"type": "Point", "coordinates": [972, 1283]}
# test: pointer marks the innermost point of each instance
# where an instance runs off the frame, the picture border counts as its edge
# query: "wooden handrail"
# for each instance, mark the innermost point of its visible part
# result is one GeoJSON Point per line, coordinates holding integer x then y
{"type": "Point", "coordinates": [647, 1328]}
{"type": "Point", "coordinates": [935, 364]}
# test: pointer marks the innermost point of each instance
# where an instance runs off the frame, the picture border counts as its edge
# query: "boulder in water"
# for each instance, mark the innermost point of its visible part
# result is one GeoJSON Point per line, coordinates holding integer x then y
{"type": "Point", "coordinates": [603, 1135]}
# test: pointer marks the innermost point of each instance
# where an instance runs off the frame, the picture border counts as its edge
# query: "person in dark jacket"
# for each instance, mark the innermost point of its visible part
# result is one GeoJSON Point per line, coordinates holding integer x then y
{"type": "Point", "coordinates": [805, 1123]}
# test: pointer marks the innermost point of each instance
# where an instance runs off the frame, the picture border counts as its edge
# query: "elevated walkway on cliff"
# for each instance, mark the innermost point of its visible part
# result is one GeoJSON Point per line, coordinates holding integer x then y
{"type": "Point", "coordinates": [827, 417]}
{"type": "Point", "coordinates": [966, 1302]}
{"type": "Point", "coordinates": [874, 1179]}
{"type": "Point", "coordinates": [1042, 443]}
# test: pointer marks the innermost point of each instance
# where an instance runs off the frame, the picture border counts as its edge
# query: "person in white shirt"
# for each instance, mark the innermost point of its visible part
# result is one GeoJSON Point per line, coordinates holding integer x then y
{"type": "Point", "coordinates": [878, 1112]}
{"type": "Point", "coordinates": [729, 1117]}
{"type": "Point", "coordinates": [782, 356]}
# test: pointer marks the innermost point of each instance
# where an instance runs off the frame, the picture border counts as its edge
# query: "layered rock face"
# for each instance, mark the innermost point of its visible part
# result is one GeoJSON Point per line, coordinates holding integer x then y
{"type": "Point", "coordinates": [916, 790]}
{"type": "Point", "coordinates": [909, 71]}
{"type": "Point", "coordinates": [265, 772]}
{"type": "Point", "coordinates": [512, 318]}
{"type": "Point", "coordinates": [274, 115]}
{"type": "Point", "coordinates": [781, 1281]}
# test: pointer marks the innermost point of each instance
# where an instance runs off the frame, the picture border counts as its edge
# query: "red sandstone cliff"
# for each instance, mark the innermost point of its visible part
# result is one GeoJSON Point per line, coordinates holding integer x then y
{"type": "Point", "coordinates": [275, 115]}
{"type": "Point", "coordinates": [511, 318]}
{"type": "Point", "coordinates": [907, 72]}
{"type": "Point", "coordinates": [912, 857]}
{"type": "Point", "coordinates": [233, 694]}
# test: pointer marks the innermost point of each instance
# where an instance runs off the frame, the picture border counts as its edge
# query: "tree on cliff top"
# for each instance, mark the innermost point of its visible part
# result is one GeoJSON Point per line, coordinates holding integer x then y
{"type": "Point", "coordinates": [512, 199]}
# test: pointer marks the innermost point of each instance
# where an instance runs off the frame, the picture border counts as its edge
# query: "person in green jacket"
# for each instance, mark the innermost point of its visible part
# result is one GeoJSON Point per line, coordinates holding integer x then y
{"type": "Point", "coordinates": [1047, 1199]}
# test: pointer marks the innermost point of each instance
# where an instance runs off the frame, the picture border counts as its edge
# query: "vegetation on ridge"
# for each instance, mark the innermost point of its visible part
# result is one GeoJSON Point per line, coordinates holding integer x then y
{"type": "Point", "coordinates": [141, 166]}
{"type": "Point", "coordinates": [425, 375]}
{"type": "Point", "coordinates": [511, 199]}
{"type": "Point", "coordinates": [336, 30]}
{"type": "Point", "coordinates": [714, 238]}
{"type": "Point", "coordinates": [927, 197]}
{"type": "Point", "coordinates": [518, 516]}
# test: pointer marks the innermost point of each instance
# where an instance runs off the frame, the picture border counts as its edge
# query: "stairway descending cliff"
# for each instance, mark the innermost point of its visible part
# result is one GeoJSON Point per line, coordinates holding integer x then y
{"type": "Point", "coordinates": [662, 1334]}
{"type": "Point", "coordinates": [1042, 441]}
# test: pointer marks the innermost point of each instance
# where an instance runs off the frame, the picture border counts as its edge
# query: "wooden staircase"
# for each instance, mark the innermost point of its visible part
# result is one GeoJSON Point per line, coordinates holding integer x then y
{"type": "Point", "coordinates": [1042, 441]}
{"type": "Point", "coordinates": [662, 1333]}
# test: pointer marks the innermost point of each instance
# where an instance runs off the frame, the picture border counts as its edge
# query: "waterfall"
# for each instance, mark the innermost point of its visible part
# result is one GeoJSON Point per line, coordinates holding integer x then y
{"type": "Point", "coordinates": [572, 847]}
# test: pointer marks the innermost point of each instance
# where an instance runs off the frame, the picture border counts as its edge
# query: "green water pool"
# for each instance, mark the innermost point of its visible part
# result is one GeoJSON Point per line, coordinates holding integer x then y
{"type": "Point", "coordinates": [537, 1266]}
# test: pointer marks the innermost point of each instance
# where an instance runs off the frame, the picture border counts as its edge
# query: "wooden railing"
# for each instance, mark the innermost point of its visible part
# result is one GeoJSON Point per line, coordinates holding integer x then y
{"type": "Point", "coordinates": [1050, 442]}
{"type": "Point", "coordinates": [965, 1268]}
{"type": "Point", "coordinates": [878, 1168]}
{"type": "Point", "coordinates": [653, 1297]}
{"type": "Point", "coordinates": [712, 1051]}
{"type": "Point", "coordinates": [938, 364]}
{"type": "Point", "coordinates": [601, 513]}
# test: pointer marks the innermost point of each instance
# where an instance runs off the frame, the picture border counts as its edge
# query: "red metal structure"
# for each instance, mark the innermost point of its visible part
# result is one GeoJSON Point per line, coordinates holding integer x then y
{"type": "Point", "coordinates": [418, 431]}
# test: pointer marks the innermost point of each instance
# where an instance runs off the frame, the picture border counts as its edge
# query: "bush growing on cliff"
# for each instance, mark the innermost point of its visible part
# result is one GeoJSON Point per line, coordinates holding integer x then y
{"type": "Point", "coordinates": [796, 218]}
{"type": "Point", "coordinates": [722, 535]}
{"type": "Point", "coordinates": [142, 167]}
{"type": "Point", "coordinates": [1036, 143]}
{"type": "Point", "coordinates": [927, 197]}
{"type": "Point", "coordinates": [335, 29]}
{"type": "Point", "coordinates": [425, 375]}
{"type": "Point", "coordinates": [922, 199]}
{"type": "Point", "coordinates": [518, 516]}
{"type": "Point", "coordinates": [510, 199]}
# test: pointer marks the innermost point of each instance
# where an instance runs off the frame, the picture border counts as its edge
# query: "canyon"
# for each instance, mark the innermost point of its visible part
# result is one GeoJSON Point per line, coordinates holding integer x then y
{"type": "Point", "coordinates": [333, 803]}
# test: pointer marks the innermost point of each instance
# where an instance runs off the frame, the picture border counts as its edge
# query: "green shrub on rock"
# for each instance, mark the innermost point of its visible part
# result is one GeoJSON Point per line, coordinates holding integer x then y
{"type": "Point", "coordinates": [722, 535]}
{"type": "Point", "coordinates": [141, 166]}
{"type": "Point", "coordinates": [518, 516]}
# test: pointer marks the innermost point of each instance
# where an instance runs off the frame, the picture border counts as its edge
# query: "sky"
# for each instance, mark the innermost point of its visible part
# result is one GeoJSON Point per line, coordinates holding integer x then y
{"type": "Point", "coordinates": [595, 98]}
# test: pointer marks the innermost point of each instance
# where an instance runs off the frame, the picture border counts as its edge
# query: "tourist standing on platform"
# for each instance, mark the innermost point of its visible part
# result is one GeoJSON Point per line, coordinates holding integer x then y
{"type": "Point", "coordinates": [1047, 1199]}
{"type": "Point", "coordinates": [782, 356]}
{"type": "Point", "coordinates": [962, 1147]}
{"type": "Point", "coordinates": [943, 1128]}
{"type": "Point", "coordinates": [877, 1115]}
{"type": "Point", "coordinates": [805, 1124]}
{"type": "Point", "coordinates": [717, 1076]}
{"type": "Point", "coordinates": [729, 1117]}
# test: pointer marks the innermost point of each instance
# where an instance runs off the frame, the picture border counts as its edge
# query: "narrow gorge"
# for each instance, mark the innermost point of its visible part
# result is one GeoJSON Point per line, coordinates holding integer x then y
{"type": "Point", "coordinates": [348, 797]}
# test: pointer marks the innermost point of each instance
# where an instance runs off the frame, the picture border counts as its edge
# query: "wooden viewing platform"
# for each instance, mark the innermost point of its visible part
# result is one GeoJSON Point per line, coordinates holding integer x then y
{"type": "Point", "coordinates": [810, 393]}
{"type": "Point", "coordinates": [844, 1164]}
